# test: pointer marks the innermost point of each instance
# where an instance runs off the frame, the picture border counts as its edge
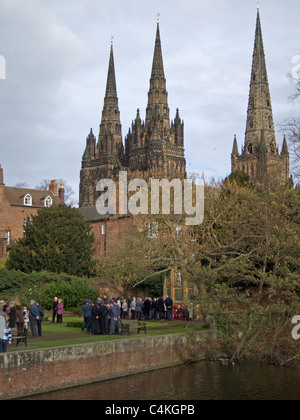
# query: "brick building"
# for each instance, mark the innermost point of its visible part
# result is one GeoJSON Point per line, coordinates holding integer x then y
{"type": "Point", "coordinates": [18, 205]}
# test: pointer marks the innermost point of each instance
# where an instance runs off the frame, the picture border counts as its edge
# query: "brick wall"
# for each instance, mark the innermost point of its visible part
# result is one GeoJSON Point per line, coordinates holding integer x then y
{"type": "Point", "coordinates": [114, 231]}
{"type": "Point", "coordinates": [28, 372]}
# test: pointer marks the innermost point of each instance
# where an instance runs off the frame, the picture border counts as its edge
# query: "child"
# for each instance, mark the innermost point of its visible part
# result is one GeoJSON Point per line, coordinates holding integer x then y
{"type": "Point", "coordinates": [6, 338]}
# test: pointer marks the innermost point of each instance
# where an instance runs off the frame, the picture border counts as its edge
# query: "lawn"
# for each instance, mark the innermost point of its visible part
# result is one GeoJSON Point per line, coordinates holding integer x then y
{"type": "Point", "coordinates": [57, 335]}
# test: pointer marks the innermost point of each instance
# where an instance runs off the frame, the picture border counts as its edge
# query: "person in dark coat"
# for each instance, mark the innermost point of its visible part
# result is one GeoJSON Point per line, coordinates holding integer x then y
{"type": "Point", "coordinates": [147, 307]}
{"type": "Point", "coordinates": [12, 315]}
{"type": "Point", "coordinates": [155, 308]}
{"type": "Point", "coordinates": [86, 311]}
{"type": "Point", "coordinates": [54, 309]}
{"type": "Point", "coordinates": [169, 307]}
{"type": "Point", "coordinates": [95, 318]}
{"type": "Point", "coordinates": [139, 309]}
{"type": "Point", "coordinates": [39, 321]}
{"type": "Point", "coordinates": [103, 321]}
{"type": "Point", "coordinates": [160, 308]}
{"type": "Point", "coordinates": [34, 317]}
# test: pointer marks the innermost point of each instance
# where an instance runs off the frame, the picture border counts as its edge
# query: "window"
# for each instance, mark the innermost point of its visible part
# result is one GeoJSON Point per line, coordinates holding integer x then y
{"type": "Point", "coordinates": [48, 202]}
{"type": "Point", "coordinates": [152, 230]}
{"type": "Point", "coordinates": [28, 200]}
{"type": "Point", "coordinates": [26, 221]}
{"type": "Point", "coordinates": [7, 237]}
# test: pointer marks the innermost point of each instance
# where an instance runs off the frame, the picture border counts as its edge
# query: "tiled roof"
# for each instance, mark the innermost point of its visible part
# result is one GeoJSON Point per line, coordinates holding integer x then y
{"type": "Point", "coordinates": [15, 196]}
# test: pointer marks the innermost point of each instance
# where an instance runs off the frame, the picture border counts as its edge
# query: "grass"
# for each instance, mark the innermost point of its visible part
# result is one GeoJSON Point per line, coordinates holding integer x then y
{"type": "Point", "coordinates": [57, 335]}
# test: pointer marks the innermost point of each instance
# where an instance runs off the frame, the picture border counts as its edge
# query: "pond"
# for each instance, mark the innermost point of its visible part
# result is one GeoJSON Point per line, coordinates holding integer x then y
{"type": "Point", "coordinates": [197, 381]}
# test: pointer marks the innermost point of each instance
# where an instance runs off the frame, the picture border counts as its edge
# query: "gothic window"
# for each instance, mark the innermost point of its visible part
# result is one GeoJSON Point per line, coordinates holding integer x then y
{"type": "Point", "coordinates": [254, 76]}
{"type": "Point", "coordinates": [251, 123]}
{"type": "Point", "coordinates": [268, 103]}
{"type": "Point", "coordinates": [250, 149]}
{"type": "Point", "coordinates": [28, 200]}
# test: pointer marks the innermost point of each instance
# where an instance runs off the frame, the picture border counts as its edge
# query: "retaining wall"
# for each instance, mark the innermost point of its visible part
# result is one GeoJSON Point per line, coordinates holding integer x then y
{"type": "Point", "coordinates": [28, 372]}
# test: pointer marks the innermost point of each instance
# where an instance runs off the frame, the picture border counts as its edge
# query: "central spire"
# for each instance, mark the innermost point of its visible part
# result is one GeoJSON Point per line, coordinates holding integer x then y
{"type": "Point", "coordinates": [157, 109]}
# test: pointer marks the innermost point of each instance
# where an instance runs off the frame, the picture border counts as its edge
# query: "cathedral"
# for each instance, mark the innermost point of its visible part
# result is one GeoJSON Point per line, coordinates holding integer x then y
{"type": "Point", "coordinates": [155, 148]}
{"type": "Point", "coordinates": [152, 148]}
{"type": "Point", "coordinates": [260, 155]}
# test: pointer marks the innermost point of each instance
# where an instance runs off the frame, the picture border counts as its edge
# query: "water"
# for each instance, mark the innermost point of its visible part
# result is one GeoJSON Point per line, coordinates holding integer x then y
{"type": "Point", "coordinates": [198, 381]}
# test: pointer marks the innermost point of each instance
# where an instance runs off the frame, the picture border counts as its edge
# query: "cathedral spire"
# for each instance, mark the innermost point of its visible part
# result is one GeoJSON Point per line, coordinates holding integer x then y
{"type": "Point", "coordinates": [260, 154]}
{"type": "Point", "coordinates": [110, 134]}
{"type": "Point", "coordinates": [111, 85]}
{"type": "Point", "coordinates": [259, 116]}
{"type": "Point", "coordinates": [157, 109]}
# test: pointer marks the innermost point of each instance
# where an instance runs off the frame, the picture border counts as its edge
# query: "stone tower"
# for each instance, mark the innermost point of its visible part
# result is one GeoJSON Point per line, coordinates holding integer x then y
{"type": "Point", "coordinates": [260, 155]}
{"type": "Point", "coordinates": [154, 148]}
{"type": "Point", "coordinates": [105, 158]}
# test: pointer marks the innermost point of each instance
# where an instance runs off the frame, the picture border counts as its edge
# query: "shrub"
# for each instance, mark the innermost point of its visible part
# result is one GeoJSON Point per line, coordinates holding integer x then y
{"type": "Point", "coordinates": [72, 293]}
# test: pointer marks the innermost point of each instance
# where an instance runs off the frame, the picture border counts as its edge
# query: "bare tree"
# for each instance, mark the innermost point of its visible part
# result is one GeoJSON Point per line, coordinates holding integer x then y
{"type": "Point", "coordinates": [291, 127]}
{"type": "Point", "coordinates": [69, 200]}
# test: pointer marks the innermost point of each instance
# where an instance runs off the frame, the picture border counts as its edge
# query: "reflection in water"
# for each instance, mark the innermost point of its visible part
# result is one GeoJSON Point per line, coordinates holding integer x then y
{"type": "Point", "coordinates": [198, 381]}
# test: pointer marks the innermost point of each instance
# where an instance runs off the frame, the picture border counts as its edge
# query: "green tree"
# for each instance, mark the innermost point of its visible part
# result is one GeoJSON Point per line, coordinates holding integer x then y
{"type": "Point", "coordinates": [57, 240]}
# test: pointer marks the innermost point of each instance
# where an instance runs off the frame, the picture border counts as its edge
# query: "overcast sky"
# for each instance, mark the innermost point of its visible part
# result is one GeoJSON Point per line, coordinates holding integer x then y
{"type": "Point", "coordinates": [57, 53]}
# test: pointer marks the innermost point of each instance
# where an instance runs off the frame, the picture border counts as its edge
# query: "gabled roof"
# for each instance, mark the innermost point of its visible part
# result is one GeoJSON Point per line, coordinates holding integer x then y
{"type": "Point", "coordinates": [15, 196]}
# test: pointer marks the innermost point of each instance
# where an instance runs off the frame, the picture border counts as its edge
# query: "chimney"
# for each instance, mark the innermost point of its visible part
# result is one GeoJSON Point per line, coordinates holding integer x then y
{"type": "Point", "coordinates": [53, 187]}
{"type": "Point", "coordinates": [1, 176]}
{"type": "Point", "coordinates": [61, 193]}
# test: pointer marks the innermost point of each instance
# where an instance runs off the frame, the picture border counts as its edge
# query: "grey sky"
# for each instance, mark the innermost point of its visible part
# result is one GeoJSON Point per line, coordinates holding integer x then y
{"type": "Point", "coordinates": [57, 53]}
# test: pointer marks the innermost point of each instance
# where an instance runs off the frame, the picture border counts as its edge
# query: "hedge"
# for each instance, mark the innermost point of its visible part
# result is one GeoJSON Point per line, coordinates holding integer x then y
{"type": "Point", "coordinates": [44, 286]}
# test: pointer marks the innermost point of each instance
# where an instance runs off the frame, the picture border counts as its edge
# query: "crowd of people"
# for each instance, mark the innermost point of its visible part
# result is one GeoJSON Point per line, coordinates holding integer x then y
{"type": "Point", "coordinates": [20, 317]}
{"type": "Point", "coordinates": [99, 317]}
{"type": "Point", "coordinates": [102, 316]}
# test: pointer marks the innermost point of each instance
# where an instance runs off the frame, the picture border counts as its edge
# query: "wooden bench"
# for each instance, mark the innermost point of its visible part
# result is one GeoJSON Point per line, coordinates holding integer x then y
{"type": "Point", "coordinates": [125, 328]}
{"type": "Point", "coordinates": [141, 327]}
{"type": "Point", "coordinates": [19, 337]}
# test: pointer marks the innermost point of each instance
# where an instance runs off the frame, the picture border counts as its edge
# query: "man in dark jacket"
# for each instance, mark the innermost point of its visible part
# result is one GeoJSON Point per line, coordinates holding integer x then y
{"type": "Point", "coordinates": [147, 306]}
{"type": "Point", "coordinates": [103, 321]}
{"type": "Point", "coordinates": [54, 309]}
{"type": "Point", "coordinates": [86, 311]}
{"type": "Point", "coordinates": [39, 321]}
{"type": "Point", "coordinates": [169, 307]}
{"type": "Point", "coordinates": [160, 308]}
{"type": "Point", "coordinates": [34, 317]}
{"type": "Point", "coordinates": [95, 318]}
{"type": "Point", "coordinates": [12, 315]}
